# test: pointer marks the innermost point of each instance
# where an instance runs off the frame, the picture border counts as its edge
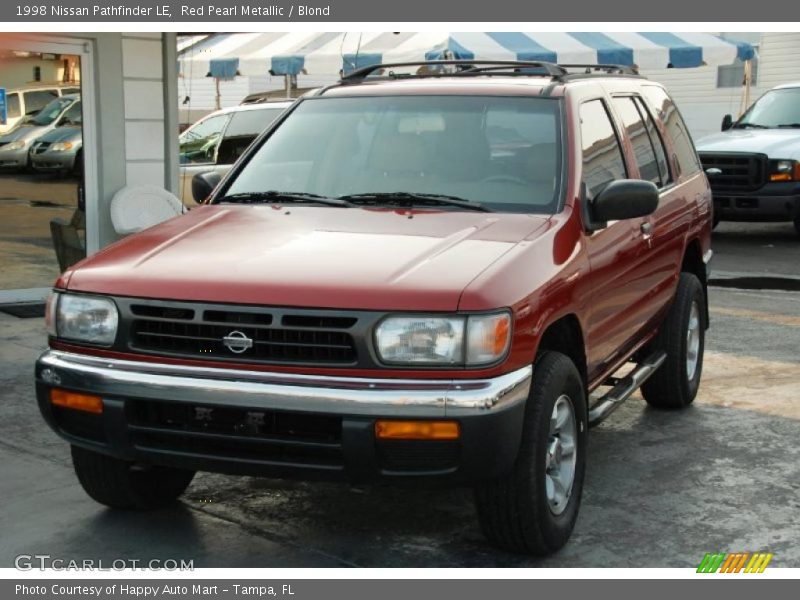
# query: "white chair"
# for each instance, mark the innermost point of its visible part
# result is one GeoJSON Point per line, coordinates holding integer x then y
{"type": "Point", "coordinates": [137, 207]}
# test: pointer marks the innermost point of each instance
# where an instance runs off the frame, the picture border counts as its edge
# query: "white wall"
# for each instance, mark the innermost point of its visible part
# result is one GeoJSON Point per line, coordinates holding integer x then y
{"type": "Point", "coordinates": [143, 97]}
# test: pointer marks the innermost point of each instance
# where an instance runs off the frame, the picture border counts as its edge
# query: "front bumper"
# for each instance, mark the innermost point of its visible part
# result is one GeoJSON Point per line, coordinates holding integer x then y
{"type": "Point", "coordinates": [284, 425]}
{"type": "Point", "coordinates": [771, 202]}
{"type": "Point", "coordinates": [53, 161]}
{"type": "Point", "coordinates": [14, 158]}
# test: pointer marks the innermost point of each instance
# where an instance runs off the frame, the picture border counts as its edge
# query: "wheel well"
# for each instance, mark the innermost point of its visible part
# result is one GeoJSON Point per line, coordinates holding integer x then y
{"type": "Point", "coordinates": [566, 336]}
{"type": "Point", "coordinates": [693, 263]}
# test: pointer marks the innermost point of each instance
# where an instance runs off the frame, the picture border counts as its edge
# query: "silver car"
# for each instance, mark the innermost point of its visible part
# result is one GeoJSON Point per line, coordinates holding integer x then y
{"type": "Point", "coordinates": [15, 145]}
{"type": "Point", "coordinates": [60, 150]}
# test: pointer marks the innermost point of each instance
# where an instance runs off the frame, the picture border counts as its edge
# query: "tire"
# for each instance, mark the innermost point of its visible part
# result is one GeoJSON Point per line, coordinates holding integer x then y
{"type": "Point", "coordinates": [122, 484]}
{"type": "Point", "coordinates": [514, 511]}
{"type": "Point", "coordinates": [674, 385]}
{"type": "Point", "coordinates": [797, 225]}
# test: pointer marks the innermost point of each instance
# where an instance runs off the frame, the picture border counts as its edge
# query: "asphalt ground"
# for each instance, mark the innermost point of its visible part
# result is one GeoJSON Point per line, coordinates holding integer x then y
{"type": "Point", "coordinates": [662, 488]}
{"type": "Point", "coordinates": [28, 202]}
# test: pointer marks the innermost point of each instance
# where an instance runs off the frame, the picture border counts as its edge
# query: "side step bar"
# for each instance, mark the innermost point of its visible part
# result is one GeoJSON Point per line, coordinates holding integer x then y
{"type": "Point", "coordinates": [624, 388]}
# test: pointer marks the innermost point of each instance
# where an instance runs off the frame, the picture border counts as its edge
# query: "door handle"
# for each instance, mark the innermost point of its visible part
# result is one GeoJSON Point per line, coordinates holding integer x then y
{"type": "Point", "coordinates": [647, 233]}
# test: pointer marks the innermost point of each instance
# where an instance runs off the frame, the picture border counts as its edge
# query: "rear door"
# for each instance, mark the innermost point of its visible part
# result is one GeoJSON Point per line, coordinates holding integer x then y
{"type": "Point", "coordinates": [661, 233]}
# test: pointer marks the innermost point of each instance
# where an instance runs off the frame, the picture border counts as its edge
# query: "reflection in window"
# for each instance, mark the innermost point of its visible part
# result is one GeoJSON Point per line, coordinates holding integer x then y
{"type": "Point", "coordinates": [602, 155]}
{"type": "Point", "coordinates": [681, 140]}
{"type": "Point", "coordinates": [642, 147]}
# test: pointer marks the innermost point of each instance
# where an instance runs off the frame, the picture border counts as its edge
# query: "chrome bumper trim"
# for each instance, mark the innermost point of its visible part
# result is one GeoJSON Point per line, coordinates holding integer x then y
{"type": "Point", "coordinates": [287, 391]}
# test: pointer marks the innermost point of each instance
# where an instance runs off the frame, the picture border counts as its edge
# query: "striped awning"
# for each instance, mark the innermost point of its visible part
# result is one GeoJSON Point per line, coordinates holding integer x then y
{"type": "Point", "coordinates": [336, 52]}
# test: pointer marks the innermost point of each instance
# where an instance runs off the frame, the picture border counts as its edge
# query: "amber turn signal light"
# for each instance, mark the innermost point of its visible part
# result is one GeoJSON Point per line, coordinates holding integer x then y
{"type": "Point", "coordinates": [77, 401]}
{"type": "Point", "coordinates": [417, 430]}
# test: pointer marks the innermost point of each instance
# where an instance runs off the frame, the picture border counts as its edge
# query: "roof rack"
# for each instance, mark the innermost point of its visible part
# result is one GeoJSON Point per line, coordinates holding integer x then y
{"type": "Point", "coordinates": [468, 67]}
{"type": "Point", "coordinates": [609, 69]}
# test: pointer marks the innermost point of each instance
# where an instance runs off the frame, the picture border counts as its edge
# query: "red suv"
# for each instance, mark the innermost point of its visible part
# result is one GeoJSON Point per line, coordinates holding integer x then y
{"type": "Point", "coordinates": [437, 271]}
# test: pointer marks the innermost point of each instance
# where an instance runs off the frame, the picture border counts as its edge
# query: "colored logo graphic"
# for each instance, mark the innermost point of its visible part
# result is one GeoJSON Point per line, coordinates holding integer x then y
{"type": "Point", "coordinates": [737, 562]}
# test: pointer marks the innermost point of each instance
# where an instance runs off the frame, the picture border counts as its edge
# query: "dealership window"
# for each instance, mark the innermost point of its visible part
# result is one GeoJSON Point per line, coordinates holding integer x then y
{"type": "Point", "coordinates": [732, 76]}
{"type": "Point", "coordinates": [13, 106]}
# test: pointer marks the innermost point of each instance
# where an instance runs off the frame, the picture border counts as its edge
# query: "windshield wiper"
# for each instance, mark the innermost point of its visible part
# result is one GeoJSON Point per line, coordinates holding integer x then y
{"type": "Point", "coordinates": [413, 198]}
{"type": "Point", "coordinates": [789, 125]}
{"type": "Point", "coordinates": [746, 125]}
{"type": "Point", "coordinates": [277, 197]}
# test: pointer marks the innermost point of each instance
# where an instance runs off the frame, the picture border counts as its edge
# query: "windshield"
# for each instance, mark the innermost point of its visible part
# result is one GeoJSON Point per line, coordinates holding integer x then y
{"type": "Point", "coordinates": [503, 153]}
{"type": "Point", "coordinates": [776, 108]}
{"type": "Point", "coordinates": [50, 112]}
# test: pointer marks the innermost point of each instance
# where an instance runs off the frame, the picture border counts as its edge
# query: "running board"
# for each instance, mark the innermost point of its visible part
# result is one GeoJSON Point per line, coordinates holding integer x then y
{"type": "Point", "coordinates": [624, 388]}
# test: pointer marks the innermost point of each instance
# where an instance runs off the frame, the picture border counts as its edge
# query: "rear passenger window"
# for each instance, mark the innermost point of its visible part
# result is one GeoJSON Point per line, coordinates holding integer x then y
{"type": "Point", "coordinates": [688, 162]}
{"type": "Point", "coordinates": [602, 154]}
{"type": "Point", "coordinates": [642, 146]}
{"type": "Point", "coordinates": [655, 140]}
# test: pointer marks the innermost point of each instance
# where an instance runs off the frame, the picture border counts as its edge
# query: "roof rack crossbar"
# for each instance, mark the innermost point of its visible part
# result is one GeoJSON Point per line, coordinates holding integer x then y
{"type": "Point", "coordinates": [606, 68]}
{"type": "Point", "coordinates": [473, 67]}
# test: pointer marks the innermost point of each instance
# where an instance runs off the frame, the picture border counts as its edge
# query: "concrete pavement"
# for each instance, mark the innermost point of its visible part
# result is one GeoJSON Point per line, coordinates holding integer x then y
{"type": "Point", "coordinates": [662, 488]}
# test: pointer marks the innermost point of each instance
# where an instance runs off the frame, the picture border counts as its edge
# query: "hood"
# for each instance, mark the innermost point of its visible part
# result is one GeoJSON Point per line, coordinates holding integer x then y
{"type": "Point", "coordinates": [308, 256]}
{"type": "Point", "coordinates": [22, 132]}
{"type": "Point", "coordinates": [65, 133]}
{"type": "Point", "coordinates": [775, 143]}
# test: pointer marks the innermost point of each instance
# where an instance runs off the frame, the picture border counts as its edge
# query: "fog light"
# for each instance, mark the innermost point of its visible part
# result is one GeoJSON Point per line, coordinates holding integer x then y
{"type": "Point", "coordinates": [77, 401]}
{"type": "Point", "coordinates": [417, 430]}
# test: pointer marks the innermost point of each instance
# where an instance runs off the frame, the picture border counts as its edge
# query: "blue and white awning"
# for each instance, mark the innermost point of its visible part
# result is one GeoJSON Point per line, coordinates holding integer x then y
{"type": "Point", "coordinates": [335, 52]}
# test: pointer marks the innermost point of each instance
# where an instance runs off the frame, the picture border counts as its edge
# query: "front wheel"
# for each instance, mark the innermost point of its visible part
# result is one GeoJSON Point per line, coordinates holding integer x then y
{"type": "Point", "coordinates": [533, 509]}
{"type": "Point", "coordinates": [682, 338]}
{"type": "Point", "coordinates": [122, 484]}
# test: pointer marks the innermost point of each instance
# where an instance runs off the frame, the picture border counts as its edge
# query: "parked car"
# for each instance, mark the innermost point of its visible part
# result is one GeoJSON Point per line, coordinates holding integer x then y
{"type": "Point", "coordinates": [30, 99]}
{"type": "Point", "coordinates": [753, 165]}
{"type": "Point", "coordinates": [16, 144]}
{"type": "Point", "coordinates": [60, 150]}
{"type": "Point", "coordinates": [404, 279]}
{"type": "Point", "coordinates": [216, 141]}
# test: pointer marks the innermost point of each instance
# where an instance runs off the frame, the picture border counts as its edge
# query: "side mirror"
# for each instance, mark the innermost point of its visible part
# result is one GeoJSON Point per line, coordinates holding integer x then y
{"type": "Point", "coordinates": [727, 122]}
{"type": "Point", "coordinates": [625, 199]}
{"type": "Point", "coordinates": [203, 184]}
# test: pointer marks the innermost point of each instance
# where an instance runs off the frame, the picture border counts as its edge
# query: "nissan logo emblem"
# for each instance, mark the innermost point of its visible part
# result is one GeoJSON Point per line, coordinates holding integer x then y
{"type": "Point", "coordinates": [237, 342]}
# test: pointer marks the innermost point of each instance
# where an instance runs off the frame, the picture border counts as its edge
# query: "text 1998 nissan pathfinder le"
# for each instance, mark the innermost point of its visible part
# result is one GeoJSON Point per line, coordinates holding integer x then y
{"type": "Point", "coordinates": [419, 273]}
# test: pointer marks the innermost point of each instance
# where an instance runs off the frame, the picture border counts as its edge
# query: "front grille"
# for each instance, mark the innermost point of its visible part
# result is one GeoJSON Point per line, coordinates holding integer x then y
{"type": "Point", "coordinates": [738, 172]}
{"type": "Point", "coordinates": [236, 433]}
{"type": "Point", "coordinates": [244, 335]}
{"type": "Point", "coordinates": [40, 147]}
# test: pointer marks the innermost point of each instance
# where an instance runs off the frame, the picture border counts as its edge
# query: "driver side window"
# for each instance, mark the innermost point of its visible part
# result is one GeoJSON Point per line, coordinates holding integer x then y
{"type": "Point", "coordinates": [198, 144]}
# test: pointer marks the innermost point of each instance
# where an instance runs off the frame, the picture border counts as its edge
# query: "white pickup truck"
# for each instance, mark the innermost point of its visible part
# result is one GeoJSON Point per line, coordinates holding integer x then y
{"type": "Point", "coordinates": [753, 165]}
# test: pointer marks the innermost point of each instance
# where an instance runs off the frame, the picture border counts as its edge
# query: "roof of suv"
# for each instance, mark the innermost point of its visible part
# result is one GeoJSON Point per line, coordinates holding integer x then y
{"type": "Point", "coordinates": [462, 77]}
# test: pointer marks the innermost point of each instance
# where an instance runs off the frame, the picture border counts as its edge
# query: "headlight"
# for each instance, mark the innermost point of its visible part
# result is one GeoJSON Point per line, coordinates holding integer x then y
{"type": "Point", "coordinates": [61, 146]}
{"type": "Point", "coordinates": [449, 340]}
{"type": "Point", "coordinates": [18, 145]}
{"type": "Point", "coordinates": [784, 170]}
{"type": "Point", "coordinates": [91, 319]}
